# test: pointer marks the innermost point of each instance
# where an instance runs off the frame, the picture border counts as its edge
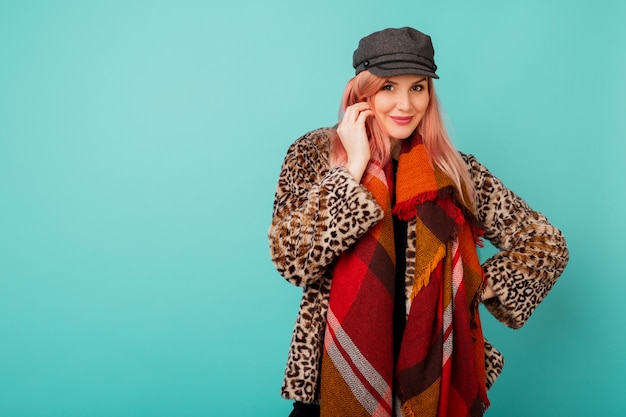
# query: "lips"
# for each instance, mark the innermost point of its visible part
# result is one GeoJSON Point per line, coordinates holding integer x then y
{"type": "Point", "coordinates": [401, 120]}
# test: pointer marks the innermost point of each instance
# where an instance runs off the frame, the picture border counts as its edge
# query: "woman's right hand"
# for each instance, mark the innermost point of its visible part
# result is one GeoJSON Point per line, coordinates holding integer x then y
{"type": "Point", "coordinates": [353, 136]}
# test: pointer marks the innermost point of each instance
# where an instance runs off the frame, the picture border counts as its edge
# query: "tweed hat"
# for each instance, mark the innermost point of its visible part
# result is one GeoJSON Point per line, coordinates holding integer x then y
{"type": "Point", "coordinates": [395, 52]}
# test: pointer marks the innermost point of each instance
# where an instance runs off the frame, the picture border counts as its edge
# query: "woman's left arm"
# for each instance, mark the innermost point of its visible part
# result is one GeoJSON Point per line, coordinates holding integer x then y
{"type": "Point", "coordinates": [532, 255]}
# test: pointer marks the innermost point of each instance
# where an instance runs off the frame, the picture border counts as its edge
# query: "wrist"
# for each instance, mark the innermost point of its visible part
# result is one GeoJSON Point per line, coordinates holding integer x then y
{"type": "Point", "coordinates": [356, 168]}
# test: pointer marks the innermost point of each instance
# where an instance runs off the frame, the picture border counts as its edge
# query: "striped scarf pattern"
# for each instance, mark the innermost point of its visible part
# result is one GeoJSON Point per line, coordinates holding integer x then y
{"type": "Point", "coordinates": [440, 370]}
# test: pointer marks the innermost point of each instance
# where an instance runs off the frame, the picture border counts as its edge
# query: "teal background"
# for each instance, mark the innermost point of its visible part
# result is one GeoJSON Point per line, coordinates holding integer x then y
{"type": "Point", "coordinates": [140, 143]}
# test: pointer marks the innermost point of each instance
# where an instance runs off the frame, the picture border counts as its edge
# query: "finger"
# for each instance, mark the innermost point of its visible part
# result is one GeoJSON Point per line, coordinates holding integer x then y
{"type": "Point", "coordinates": [364, 115]}
{"type": "Point", "coordinates": [353, 112]}
{"type": "Point", "coordinates": [358, 107]}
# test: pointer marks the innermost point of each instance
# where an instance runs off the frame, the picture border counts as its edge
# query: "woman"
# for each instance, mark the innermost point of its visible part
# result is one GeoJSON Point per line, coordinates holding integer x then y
{"type": "Point", "coordinates": [377, 219]}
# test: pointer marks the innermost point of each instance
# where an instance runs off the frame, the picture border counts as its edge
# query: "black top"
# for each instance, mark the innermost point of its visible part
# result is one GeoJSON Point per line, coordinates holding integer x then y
{"type": "Point", "coordinates": [399, 310]}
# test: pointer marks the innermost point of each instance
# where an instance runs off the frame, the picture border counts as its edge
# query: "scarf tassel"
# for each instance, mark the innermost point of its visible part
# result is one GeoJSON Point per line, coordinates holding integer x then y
{"type": "Point", "coordinates": [423, 278]}
{"type": "Point", "coordinates": [407, 210]}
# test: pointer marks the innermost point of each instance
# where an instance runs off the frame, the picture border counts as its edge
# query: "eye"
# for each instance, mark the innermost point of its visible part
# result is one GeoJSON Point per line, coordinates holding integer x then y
{"type": "Point", "coordinates": [417, 87]}
{"type": "Point", "coordinates": [387, 87]}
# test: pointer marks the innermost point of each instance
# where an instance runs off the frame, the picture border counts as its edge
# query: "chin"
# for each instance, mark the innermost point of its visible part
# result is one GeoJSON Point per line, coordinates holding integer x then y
{"type": "Point", "coordinates": [401, 134]}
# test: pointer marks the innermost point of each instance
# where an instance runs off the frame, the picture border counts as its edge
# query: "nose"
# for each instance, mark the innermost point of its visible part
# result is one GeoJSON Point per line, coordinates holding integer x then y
{"type": "Point", "coordinates": [403, 101]}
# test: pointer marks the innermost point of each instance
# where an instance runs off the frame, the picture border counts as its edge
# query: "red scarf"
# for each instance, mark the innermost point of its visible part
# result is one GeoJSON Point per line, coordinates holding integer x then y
{"type": "Point", "coordinates": [440, 371]}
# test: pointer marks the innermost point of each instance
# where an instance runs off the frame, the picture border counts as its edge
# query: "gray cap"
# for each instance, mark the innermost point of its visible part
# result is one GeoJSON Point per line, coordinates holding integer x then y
{"type": "Point", "coordinates": [396, 52]}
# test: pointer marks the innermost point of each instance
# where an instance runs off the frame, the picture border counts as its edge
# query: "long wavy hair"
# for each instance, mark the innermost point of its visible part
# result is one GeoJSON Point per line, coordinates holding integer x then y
{"type": "Point", "coordinates": [442, 153]}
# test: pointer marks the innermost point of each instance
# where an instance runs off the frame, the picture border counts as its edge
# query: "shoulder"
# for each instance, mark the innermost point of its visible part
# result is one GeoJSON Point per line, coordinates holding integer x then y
{"type": "Point", "coordinates": [472, 163]}
{"type": "Point", "coordinates": [318, 139]}
{"type": "Point", "coordinates": [310, 151]}
{"type": "Point", "coordinates": [482, 178]}
{"type": "Point", "coordinates": [491, 196]}
{"type": "Point", "coordinates": [468, 158]}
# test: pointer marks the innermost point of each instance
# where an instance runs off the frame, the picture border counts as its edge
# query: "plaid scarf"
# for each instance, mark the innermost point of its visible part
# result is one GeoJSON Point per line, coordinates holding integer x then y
{"type": "Point", "coordinates": [440, 370]}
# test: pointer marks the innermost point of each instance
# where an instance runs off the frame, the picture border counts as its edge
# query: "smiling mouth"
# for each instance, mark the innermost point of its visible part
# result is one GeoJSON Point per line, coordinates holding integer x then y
{"type": "Point", "coordinates": [401, 120]}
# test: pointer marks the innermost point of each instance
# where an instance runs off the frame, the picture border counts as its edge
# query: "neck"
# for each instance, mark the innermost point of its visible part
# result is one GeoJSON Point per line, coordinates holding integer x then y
{"type": "Point", "coordinates": [396, 147]}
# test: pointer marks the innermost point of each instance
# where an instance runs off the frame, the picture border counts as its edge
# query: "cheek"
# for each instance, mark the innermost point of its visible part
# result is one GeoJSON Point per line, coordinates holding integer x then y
{"type": "Point", "coordinates": [422, 103]}
{"type": "Point", "coordinates": [426, 102]}
{"type": "Point", "coordinates": [381, 104]}
{"type": "Point", "coordinates": [378, 115]}
{"type": "Point", "coordinates": [379, 110]}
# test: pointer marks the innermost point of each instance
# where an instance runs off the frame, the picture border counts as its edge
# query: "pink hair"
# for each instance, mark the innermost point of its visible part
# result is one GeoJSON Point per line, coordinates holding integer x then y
{"type": "Point", "coordinates": [442, 153]}
{"type": "Point", "coordinates": [363, 87]}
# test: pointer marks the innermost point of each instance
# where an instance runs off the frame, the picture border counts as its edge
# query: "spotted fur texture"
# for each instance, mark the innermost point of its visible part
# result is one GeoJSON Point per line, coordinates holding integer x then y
{"type": "Point", "coordinates": [532, 252]}
{"type": "Point", "coordinates": [494, 362]}
{"type": "Point", "coordinates": [320, 212]}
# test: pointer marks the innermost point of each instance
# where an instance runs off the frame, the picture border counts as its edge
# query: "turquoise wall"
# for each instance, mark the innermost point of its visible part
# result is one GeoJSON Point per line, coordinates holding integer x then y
{"type": "Point", "coordinates": [140, 143]}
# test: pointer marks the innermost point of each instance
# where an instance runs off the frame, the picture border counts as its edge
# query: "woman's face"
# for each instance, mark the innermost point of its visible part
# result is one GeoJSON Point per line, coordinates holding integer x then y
{"type": "Point", "coordinates": [401, 103]}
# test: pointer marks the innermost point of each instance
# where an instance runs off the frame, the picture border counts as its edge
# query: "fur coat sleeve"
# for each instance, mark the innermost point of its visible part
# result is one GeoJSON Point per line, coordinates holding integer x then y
{"type": "Point", "coordinates": [318, 212]}
{"type": "Point", "coordinates": [532, 252]}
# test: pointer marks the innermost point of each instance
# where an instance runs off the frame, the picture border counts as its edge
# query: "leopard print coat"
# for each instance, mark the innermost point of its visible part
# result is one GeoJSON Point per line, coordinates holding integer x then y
{"type": "Point", "coordinates": [320, 212]}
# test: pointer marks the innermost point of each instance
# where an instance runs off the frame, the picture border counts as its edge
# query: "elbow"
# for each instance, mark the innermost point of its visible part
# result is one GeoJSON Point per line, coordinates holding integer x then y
{"type": "Point", "coordinates": [292, 273]}
{"type": "Point", "coordinates": [288, 264]}
{"type": "Point", "coordinates": [281, 261]}
{"type": "Point", "coordinates": [560, 252]}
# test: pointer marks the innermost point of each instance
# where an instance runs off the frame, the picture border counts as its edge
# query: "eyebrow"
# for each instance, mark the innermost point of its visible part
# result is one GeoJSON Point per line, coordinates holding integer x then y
{"type": "Point", "coordinates": [416, 82]}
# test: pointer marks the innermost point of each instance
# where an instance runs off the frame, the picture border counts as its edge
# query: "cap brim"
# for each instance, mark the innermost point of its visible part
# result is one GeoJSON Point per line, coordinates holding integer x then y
{"type": "Point", "coordinates": [387, 70]}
